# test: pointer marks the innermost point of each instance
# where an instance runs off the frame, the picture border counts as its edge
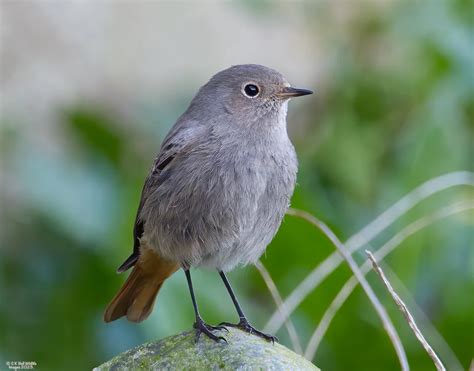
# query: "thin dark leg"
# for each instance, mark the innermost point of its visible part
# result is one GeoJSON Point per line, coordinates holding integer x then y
{"type": "Point", "coordinates": [200, 326]}
{"type": "Point", "coordinates": [243, 322]}
{"type": "Point", "coordinates": [232, 296]}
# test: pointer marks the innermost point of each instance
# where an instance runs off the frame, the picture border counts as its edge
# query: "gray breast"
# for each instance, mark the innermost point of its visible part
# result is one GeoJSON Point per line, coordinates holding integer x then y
{"type": "Point", "coordinates": [220, 206]}
{"type": "Point", "coordinates": [263, 221]}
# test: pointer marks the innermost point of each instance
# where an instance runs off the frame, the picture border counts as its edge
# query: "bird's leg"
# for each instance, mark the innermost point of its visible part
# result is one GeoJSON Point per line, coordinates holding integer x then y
{"type": "Point", "coordinates": [243, 324]}
{"type": "Point", "coordinates": [200, 326]}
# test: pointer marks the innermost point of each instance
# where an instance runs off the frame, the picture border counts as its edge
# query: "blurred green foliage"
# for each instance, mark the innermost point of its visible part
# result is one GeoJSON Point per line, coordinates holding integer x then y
{"type": "Point", "coordinates": [395, 108]}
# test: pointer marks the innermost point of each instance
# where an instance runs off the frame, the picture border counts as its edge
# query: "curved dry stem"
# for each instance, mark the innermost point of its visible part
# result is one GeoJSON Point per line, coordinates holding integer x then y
{"type": "Point", "coordinates": [400, 207]}
{"type": "Point", "coordinates": [295, 341]}
{"type": "Point", "coordinates": [365, 235]}
{"type": "Point", "coordinates": [328, 316]}
{"type": "Point", "coordinates": [380, 254]}
{"type": "Point", "coordinates": [406, 313]}
{"type": "Point", "coordinates": [444, 350]}
{"type": "Point", "coordinates": [387, 323]}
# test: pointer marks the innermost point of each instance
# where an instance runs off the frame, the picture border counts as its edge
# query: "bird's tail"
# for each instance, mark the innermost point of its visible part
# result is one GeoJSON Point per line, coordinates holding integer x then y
{"type": "Point", "coordinates": [137, 295]}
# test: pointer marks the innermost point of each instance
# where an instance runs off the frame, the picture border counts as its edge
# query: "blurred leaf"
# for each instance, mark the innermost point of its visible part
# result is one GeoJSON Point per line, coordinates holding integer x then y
{"type": "Point", "coordinates": [97, 132]}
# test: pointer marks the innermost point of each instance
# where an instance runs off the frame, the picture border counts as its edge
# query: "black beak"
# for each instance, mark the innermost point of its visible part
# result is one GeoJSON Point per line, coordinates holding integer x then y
{"type": "Point", "coordinates": [290, 92]}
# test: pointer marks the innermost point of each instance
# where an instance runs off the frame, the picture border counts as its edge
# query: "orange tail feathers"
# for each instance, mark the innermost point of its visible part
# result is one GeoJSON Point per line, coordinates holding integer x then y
{"type": "Point", "coordinates": [137, 295]}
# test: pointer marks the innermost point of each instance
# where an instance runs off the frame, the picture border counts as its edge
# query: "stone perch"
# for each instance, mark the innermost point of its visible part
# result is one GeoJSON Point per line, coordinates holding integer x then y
{"type": "Point", "coordinates": [181, 352]}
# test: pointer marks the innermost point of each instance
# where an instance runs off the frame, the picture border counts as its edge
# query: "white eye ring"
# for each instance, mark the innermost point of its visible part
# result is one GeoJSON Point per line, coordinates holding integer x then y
{"type": "Point", "coordinates": [250, 89]}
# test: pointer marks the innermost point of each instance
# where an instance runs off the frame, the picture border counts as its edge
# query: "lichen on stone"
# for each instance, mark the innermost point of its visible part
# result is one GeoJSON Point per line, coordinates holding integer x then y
{"type": "Point", "coordinates": [181, 352]}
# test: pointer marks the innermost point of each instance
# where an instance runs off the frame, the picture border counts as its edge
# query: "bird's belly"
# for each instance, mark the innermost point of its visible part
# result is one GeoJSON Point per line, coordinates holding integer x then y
{"type": "Point", "coordinates": [252, 240]}
{"type": "Point", "coordinates": [224, 217]}
{"type": "Point", "coordinates": [259, 205]}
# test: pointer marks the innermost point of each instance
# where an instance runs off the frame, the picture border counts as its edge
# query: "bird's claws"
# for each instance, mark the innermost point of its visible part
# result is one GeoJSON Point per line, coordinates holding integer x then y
{"type": "Point", "coordinates": [203, 328]}
{"type": "Point", "coordinates": [219, 327]}
{"type": "Point", "coordinates": [244, 325]}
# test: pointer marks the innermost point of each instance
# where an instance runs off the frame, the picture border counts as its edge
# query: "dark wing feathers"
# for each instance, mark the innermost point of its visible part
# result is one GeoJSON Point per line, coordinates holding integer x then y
{"type": "Point", "coordinates": [130, 262]}
{"type": "Point", "coordinates": [139, 225]}
{"type": "Point", "coordinates": [177, 142]}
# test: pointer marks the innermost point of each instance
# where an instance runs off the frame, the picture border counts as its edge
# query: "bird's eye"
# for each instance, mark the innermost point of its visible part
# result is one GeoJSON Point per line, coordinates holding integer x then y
{"type": "Point", "coordinates": [251, 90]}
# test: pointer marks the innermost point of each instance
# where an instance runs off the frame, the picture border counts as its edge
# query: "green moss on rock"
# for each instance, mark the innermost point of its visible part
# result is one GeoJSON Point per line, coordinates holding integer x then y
{"type": "Point", "coordinates": [181, 352]}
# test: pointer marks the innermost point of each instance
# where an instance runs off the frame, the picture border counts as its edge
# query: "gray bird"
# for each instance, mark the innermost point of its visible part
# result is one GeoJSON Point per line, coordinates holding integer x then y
{"type": "Point", "coordinates": [217, 192]}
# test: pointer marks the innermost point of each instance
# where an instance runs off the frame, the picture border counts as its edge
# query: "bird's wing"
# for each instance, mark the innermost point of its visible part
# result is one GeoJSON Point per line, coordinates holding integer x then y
{"type": "Point", "coordinates": [183, 137]}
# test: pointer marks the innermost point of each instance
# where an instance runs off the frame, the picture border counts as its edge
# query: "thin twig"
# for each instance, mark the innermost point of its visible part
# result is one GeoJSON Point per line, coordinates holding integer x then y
{"type": "Point", "coordinates": [406, 313]}
{"type": "Point", "coordinates": [364, 236]}
{"type": "Point", "coordinates": [427, 327]}
{"type": "Point", "coordinates": [380, 254]}
{"type": "Point", "coordinates": [388, 325]}
{"type": "Point", "coordinates": [295, 341]}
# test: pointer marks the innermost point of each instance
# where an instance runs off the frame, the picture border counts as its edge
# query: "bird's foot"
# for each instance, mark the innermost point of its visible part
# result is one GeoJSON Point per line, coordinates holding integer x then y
{"type": "Point", "coordinates": [244, 325]}
{"type": "Point", "coordinates": [203, 328]}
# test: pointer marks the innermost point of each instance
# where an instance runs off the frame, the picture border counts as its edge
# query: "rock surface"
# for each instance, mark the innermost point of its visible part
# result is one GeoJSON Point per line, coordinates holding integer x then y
{"type": "Point", "coordinates": [182, 352]}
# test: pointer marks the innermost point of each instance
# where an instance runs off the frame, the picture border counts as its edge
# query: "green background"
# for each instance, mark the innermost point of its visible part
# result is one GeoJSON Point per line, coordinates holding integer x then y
{"type": "Point", "coordinates": [393, 108]}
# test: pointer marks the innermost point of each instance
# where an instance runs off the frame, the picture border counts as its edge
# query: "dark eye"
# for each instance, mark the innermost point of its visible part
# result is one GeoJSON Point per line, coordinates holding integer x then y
{"type": "Point", "coordinates": [251, 90]}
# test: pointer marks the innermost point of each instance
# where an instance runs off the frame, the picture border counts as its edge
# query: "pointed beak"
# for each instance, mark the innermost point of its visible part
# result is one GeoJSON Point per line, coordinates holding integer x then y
{"type": "Point", "coordinates": [290, 92]}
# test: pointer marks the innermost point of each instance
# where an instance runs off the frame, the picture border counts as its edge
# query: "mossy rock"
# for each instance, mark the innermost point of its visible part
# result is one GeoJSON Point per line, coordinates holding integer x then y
{"type": "Point", "coordinates": [181, 352]}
